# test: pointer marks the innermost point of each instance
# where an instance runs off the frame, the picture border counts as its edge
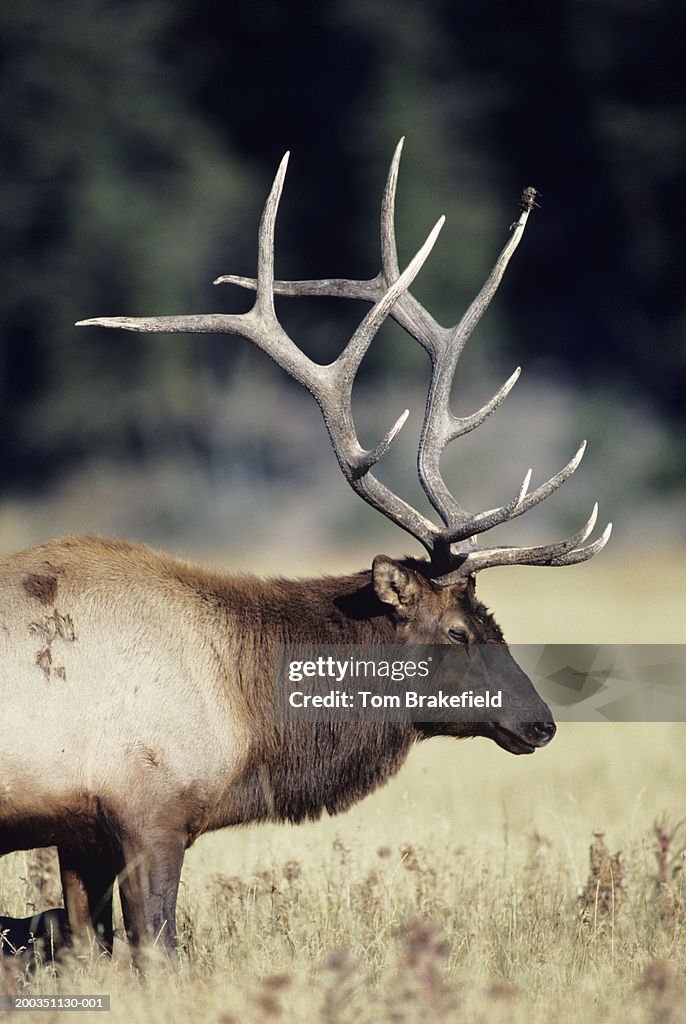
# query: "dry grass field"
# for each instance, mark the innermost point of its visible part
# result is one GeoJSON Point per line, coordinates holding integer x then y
{"type": "Point", "coordinates": [476, 886]}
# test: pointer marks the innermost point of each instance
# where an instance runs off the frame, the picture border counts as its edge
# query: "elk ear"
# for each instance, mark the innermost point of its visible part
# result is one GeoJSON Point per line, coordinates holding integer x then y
{"type": "Point", "coordinates": [395, 584]}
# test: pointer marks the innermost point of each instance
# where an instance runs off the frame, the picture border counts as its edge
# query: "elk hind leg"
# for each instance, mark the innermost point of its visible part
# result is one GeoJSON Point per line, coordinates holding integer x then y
{"type": "Point", "coordinates": [88, 875]}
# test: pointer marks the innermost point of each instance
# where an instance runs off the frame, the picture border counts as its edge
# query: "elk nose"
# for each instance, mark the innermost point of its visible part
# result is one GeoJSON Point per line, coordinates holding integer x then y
{"type": "Point", "coordinates": [544, 732]}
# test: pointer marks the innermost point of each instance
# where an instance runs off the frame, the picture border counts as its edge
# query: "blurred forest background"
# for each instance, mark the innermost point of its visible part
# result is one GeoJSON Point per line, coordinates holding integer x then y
{"type": "Point", "coordinates": [138, 142]}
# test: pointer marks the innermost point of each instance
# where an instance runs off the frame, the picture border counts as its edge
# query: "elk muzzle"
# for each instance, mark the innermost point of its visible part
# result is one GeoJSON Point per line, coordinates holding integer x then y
{"type": "Point", "coordinates": [519, 720]}
{"type": "Point", "coordinates": [525, 737]}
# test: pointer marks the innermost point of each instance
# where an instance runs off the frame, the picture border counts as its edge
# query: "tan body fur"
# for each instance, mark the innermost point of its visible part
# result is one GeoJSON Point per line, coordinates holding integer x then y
{"type": "Point", "coordinates": [116, 657]}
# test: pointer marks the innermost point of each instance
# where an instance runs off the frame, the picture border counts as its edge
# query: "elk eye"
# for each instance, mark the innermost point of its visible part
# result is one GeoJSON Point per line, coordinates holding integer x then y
{"type": "Point", "coordinates": [458, 635]}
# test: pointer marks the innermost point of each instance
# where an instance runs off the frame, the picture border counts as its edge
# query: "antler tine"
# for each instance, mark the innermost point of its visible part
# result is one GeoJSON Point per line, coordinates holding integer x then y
{"type": "Point", "coordinates": [264, 304]}
{"type": "Point", "coordinates": [463, 424]}
{"type": "Point", "coordinates": [493, 517]}
{"type": "Point", "coordinates": [566, 552]}
{"type": "Point", "coordinates": [259, 325]}
{"type": "Point", "coordinates": [480, 304]}
{"type": "Point", "coordinates": [521, 503]}
{"type": "Point", "coordinates": [440, 425]}
{"type": "Point", "coordinates": [389, 248]}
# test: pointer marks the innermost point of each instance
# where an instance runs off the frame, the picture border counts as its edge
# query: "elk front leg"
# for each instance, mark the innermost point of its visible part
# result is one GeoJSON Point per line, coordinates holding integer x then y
{"type": "Point", "coordinates": [88, 874]}
{"type": "Point", "coordinates": [148, 886]}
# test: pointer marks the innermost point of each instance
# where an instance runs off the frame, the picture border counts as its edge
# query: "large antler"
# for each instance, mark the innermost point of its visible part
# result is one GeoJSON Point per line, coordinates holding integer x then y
{"type": "Point", "coordinates": [452, 548]}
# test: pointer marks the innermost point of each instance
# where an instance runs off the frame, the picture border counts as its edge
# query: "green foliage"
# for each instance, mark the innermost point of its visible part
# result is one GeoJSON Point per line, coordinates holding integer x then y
{"type": "Point", "coordinates": [137, 140]}
{"type": "Point", "coordinates": [111, 195]}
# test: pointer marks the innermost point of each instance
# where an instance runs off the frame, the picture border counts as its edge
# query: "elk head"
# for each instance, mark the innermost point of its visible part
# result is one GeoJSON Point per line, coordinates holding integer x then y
{"type": "Point", "coordinates": [453, 614]}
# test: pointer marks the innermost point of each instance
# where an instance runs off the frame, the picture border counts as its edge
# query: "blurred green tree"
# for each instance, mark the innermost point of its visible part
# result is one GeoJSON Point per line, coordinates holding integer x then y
{"type": "Point", "coordinates": [109, 201]}
{"type": "Point", "coordinates": [138, 138]}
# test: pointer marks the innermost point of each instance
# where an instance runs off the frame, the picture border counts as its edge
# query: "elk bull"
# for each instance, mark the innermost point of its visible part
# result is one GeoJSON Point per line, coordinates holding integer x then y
{"type": "Point", "coordinates": [136, 690]}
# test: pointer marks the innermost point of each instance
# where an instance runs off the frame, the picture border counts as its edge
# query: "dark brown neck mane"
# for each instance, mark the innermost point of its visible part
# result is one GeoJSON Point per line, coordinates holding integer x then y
{"type": "Point", "coordinates": [296, 771]}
